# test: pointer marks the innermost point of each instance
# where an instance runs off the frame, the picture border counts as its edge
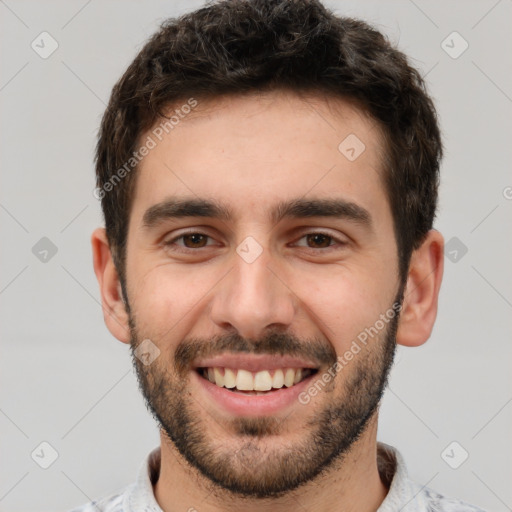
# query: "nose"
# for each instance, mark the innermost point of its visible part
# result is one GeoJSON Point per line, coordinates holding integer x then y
{"type": "Point", "coordinates": [252, 298]}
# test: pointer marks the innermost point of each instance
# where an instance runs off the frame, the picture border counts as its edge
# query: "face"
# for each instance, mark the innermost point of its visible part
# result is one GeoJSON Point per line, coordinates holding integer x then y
{"type": "Point", "coordinates": [258, 255]}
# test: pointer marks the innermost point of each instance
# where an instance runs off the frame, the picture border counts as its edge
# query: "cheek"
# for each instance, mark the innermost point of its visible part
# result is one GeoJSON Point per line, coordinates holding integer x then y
{"type": "Point", "coordinates": [166, 294]}
{"type": "Point", "coordinates": [342, 302]}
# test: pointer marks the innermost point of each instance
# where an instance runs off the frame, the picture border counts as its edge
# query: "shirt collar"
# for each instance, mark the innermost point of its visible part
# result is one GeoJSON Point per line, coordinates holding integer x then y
{"type": "Point", "coordinates": [403, 494]}
{"type": "Point", "coordinates": [141, 497]}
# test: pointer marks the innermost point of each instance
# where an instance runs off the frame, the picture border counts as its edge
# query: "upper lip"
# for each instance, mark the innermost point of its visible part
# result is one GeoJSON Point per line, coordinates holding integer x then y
{"type": "Point", "coordinates": [254, 363]}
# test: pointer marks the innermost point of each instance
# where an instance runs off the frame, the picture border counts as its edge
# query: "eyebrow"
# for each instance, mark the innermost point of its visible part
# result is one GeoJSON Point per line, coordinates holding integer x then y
{"type": "Point", "coordinates": [174, 208]}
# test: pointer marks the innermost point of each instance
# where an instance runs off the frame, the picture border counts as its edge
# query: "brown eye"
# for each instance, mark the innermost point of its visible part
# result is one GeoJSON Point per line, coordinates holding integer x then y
{"type": "Point", "coordinates": [194, 240]}
{"type": "Point", "coordinates": [318, 240]}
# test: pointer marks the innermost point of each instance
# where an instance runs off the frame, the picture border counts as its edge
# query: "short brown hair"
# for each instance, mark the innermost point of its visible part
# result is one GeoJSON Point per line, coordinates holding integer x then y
{"type": "Point", "coordinates": [237, 46]}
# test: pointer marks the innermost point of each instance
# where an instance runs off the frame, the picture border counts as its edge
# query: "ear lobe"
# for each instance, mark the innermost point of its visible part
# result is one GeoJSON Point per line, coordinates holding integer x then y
{"type": "Point", "coordinates": [114, 310]}
{"type": "Point", "coordinates": [421, 294]}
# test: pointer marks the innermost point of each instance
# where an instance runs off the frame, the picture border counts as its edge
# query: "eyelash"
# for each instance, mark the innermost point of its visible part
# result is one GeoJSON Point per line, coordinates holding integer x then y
{"type": "Point", "coordinates": [338, 243]}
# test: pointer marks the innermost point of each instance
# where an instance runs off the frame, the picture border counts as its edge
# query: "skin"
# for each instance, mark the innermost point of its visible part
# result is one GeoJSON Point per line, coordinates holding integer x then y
{"type": "Point", "coordinates": [250, 153]}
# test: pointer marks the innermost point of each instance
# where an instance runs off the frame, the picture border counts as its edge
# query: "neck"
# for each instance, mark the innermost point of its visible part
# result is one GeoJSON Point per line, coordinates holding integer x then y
{"type": "Point", "coordinates": [351, 485]}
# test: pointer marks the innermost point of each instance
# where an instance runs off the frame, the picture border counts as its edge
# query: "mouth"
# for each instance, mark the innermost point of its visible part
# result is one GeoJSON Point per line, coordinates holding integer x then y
{"type": "Point", "coordinates": [252, 384]}
{"type": "Point", "coordinates": [262, 382]}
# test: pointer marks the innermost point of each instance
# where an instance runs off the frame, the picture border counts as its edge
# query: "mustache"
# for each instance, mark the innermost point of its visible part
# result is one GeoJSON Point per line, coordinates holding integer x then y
{"type": "Point", "coordinates": [273, 343]}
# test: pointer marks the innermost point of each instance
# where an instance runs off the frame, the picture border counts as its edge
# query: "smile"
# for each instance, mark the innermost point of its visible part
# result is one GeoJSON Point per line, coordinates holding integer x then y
{"type": "Point", "coordinates": [252, 385]}
{"type": "Point", "coordinates": [257, 383]}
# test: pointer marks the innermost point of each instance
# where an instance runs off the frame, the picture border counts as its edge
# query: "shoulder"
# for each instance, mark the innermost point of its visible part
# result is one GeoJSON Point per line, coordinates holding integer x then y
{"type": "Point", "coordinates": [438, 503]}
{"type": "Point", "coordinates": [112, 503]}
{"type": "Point", "coordinates": [407, 495]}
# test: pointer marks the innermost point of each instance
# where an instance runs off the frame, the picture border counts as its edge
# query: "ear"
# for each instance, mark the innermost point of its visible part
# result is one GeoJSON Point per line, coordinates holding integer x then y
{"type": "Point", "coordinates": [114, 310]}
{"type": "Point", "coordinates": [419, 308]}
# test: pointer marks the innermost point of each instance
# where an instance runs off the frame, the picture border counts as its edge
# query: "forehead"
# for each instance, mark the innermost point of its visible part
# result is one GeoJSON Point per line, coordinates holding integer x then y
{"type": "Point", "coordinates": [249, 151]}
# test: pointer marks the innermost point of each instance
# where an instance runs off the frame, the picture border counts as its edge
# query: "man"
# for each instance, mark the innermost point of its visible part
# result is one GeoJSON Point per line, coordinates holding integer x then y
{"type": "Point", "coordinates": [268, 175]}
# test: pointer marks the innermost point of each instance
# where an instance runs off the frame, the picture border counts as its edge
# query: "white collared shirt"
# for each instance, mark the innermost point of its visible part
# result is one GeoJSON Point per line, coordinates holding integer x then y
{"type": "Point", "coordinates": [404, 495]}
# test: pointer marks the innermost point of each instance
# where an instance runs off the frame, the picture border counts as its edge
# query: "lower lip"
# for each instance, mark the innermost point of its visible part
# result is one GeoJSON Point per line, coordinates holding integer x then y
{"type": "Point", "coordinates": [253, 405]}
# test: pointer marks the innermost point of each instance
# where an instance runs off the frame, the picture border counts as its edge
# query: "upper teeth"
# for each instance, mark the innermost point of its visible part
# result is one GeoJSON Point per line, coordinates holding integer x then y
{"type": "Point", "coordinates": [265, 380]}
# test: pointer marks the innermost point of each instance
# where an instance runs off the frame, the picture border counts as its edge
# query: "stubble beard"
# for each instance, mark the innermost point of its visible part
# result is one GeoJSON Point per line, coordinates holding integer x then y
{"type": "Point", "coordinates": [248, 465]}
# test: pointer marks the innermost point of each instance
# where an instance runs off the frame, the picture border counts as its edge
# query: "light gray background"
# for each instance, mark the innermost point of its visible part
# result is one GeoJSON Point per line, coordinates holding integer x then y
{"type": "Point", "coordinates": [66, 381]}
